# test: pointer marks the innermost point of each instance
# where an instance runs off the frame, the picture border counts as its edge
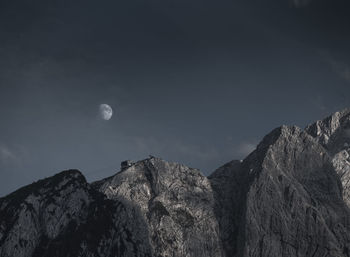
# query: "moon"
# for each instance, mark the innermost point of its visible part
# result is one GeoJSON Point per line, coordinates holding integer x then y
{"type": "Point", "coordinates": [106, 111]}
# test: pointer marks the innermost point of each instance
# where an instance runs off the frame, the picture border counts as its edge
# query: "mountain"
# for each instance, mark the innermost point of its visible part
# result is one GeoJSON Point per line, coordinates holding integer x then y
{"type": "Point", "coordinates": [289, 200]}
{"type": "Point", "coordinates": [333, 133]}
{"type": "Point", "coordinates": [290, 197]}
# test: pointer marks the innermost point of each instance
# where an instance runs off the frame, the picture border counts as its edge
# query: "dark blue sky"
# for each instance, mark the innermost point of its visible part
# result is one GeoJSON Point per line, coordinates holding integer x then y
{"type": "Point", "coordinates": [197, 82]}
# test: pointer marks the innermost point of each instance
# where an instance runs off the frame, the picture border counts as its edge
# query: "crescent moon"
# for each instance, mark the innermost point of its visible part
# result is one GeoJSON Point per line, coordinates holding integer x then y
{"type": "Point", "coordinates": [106, 111]}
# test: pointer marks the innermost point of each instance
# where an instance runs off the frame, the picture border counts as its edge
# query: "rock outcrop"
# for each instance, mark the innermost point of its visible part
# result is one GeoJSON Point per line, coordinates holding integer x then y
{"type": "Point", "coordinates": [63, 216]}
{"type": "Point", "coordinates": [41, 211]}
{"type": "Point", "coordinates": [290, 197]}
{"type": "Point", "coordinates": [175, 201]}
{"type": "Point", "coordinates": [284, 199]}
{"type": "Point", "coordinates": [334, 134]}
{"type": "Point", "coordinates": [150, 208]}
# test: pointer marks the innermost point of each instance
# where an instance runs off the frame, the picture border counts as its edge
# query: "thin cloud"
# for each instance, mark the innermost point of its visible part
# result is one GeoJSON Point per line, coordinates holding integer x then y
{"type": "Point", "coordinates": [6, 154]}
{"type": "Point", "coordinates": [10, 155]}
{"type": "Point", "coordinates": [342, 69]}
{"type": "Point", "coordinates": [319, 102]}
{"type": "Point", "coordinates": [245, 148]}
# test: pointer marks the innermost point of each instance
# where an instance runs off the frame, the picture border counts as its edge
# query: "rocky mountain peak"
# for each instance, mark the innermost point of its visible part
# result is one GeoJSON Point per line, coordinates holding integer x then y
{"type": "Point", "coordinates": [59, 183]}
{"type": "Point", "coordinates": [175, 201]}
{"type": "Point", "coordinates": [288, 179]}
{"type": "Point", "coordinates": [41, 210]}
{"type": "Point", "coordinates": [333, 133]}
{"type": "Point", "coordinates": [278, 143]}
{"type": "Point", "coordinates": [287, 198]}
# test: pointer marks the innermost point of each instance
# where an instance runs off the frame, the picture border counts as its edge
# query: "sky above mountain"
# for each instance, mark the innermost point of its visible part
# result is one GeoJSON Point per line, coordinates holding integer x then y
{"type": "Point", "coordinates": [197, 82]}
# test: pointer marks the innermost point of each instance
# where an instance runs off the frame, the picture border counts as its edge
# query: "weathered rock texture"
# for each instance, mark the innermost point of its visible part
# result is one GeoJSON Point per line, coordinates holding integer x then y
{"type": "Point", "coordinates": [284, 199]}
{"type": "Point", "coordinates": [288, 198]}
{"type": "Point", "coordinates": [175, 201]}
{"type": "Point", "coordinates": [64, 216]}
{"type": "Point", "coordinates": [334, 134]}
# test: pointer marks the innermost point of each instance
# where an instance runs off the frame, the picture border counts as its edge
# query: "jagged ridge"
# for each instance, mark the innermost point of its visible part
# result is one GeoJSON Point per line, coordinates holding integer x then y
{"type": "Point", "coordinates": [287, 198]}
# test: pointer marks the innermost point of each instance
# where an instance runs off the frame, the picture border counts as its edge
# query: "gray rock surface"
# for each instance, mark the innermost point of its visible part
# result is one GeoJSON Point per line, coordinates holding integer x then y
{"type": "Point", "coordinates": [63, 216]}
{"type": "Point", "coordinates": [290, 197]}
{"type": "Point", "coordinates": [43, 209]}
{"type": "Point", "coordinates": [333, 133]}
{"type": "Point", "coordinates": [150, 208]}
{"type": "Point", "coordinates": [175, 201]}
{"type": "Point", "coordinates": [289, 200]}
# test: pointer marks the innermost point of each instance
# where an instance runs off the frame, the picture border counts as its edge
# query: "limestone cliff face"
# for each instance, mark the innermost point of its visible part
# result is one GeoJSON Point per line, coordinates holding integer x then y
{"type": "Point", "coordinates": [176, 203]}
{"type": "Point", "coordinates": [290, 201]}
{"type": "Point", "coordinates": [151, 208]}
{"type": "Point", "coordinates": [41, 210]}
{"type": "Point", "coordinates": [334, 134]}
{"type": "Point", "coordinates": [63, 216]}
{"type": "Point", "coordinates": [288, 198]}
